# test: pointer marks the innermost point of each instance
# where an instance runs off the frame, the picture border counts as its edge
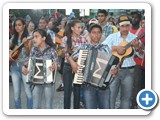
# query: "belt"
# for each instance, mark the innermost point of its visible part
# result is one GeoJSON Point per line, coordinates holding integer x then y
{"type": "Point", "coordinates": [127, 67]}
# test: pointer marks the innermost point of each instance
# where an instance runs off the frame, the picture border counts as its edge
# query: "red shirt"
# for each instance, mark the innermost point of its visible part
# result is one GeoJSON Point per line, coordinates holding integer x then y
{"type": "Point", "coordinates": [136, 58]}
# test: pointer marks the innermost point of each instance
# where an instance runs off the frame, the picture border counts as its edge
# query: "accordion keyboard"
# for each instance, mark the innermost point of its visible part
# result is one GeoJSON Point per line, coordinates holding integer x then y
{"type": "Point", "coordinates": [79, 76]}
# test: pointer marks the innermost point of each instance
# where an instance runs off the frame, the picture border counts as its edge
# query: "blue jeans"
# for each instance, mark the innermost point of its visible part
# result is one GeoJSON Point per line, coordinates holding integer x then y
{"type": "Point", "coordinates": [124, 79]}
{"type": "Point", "coordinates": [17, 76]}
{"type": "Point", "coordinates": [68, 80]}
{"type": "Point", "coordinates": [96, 98]}
{"type": "Point", "coordinates": [48, 94]}
{"type": "Point", "coordinates": [139, 83]}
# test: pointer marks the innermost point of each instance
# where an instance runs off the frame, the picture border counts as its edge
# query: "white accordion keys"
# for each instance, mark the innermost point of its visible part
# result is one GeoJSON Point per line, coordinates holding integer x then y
{"type": "Point", "coordinates": [79, 76]}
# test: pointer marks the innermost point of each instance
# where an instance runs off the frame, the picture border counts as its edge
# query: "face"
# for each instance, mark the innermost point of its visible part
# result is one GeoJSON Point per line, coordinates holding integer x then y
{"type": "Point", "coordinates": [95, 35]}
{"type": "Point", "coordinates": [52, 19]}
{"type": "Point", "coordinates": [31, 26]}
{"type": "Point", "coordinates": [124, 29]}
{"type": "Point", "coordinates": [19, 27]}
{"type": "Point", "coordinates": [111, 23]}
{"type": "Point", "coordinates": [101, 17]}
{"type": "Point", "coordinates": [77, 29]}
{"type": "Point", "coordinates": [38, 39]}
{"type": "Point", "coordinates": [63, 23]}
{"type": "Point", "coordinates": [42, 24]}
{"type": "Point", "coordinates": [135, 19]}
{"type": "Point", "coordinates": [11, 16]}
{"type": "Point", "coordinates": [50, 25]}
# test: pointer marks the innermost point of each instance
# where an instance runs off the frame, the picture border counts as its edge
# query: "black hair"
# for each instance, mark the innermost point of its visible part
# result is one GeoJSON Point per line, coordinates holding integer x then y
{"type": "Point", "coordinates": [57, 23]}
{"type": "Point", "coordinates": [112, 22]}
{"type": "Point", "coordinates": [110, 19]}
{"type": "Point", "coordinates": [35, 26]}
{"type": "Point", "coordinates": [43, 33]}
{"type": "Point", "coordinates": [15, 33]}
{"type": "Point", "coordinates": [138, 14]}
{"type": "Point", "coordinates": [103, 11]}
{"type": "Point", "coordinates": [68, 31]}
{"type": "Point", "coordinates": [42, 18]}
{"type": "Point", "coordinates": [94, 26]}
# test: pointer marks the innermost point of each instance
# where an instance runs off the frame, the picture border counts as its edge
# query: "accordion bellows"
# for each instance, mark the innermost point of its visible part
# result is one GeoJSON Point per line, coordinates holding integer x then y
{"type": "Point", "coordinates": [94, 67]}
{"type": "Point", "coordinates": [39, 72]}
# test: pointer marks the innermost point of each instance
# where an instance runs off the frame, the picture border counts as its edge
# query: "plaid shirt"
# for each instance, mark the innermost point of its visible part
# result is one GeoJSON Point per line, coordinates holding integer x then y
{"type": "Point", "coordinates": [47, 53]}
{"type": "Point", "coordinates": [107, 30]}
{"type": "Point", "coordinates": [75, 44]}
{"type": "Point", "coordinates": [89, 46]}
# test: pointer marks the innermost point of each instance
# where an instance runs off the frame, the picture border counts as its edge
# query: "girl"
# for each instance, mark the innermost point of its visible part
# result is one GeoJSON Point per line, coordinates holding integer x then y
{"type": "Point", "coordinates": [31, 28]}
{"type": "Point", "coordinates": [70, 42]}
{"type": "Point", "coordinates": [43, 49]}
{"type": "Point", "coordinates": [20, 36]}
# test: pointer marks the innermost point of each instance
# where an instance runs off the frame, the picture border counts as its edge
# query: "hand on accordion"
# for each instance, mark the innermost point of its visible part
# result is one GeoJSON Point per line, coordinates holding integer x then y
{"type": "Point", "coordinates": [74, 66]}
{"type": "Point", "coordinates": [53, 67]}
{"type": "Point", "coordinates": [25, 70]}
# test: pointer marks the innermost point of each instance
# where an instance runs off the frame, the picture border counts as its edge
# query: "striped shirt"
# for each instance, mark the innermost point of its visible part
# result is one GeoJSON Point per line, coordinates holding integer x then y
{"type": "Point", "coordinates": [48, 53]}
{"type": "Point", "coordinates": [114, 40]}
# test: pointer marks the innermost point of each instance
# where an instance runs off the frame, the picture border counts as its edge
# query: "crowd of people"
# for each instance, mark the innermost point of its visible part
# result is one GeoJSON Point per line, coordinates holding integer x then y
{"type": "Point", "coordinates": [60, 38]}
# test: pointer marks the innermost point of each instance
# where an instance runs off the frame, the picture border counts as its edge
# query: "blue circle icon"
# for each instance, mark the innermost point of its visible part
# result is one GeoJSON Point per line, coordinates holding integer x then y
{"type": "Point", "coordinates": [147, 99]}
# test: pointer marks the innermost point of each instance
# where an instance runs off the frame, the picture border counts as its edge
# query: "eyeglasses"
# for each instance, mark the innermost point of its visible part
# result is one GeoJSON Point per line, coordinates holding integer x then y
{"type": "Point", "coordinates": [100, 15]}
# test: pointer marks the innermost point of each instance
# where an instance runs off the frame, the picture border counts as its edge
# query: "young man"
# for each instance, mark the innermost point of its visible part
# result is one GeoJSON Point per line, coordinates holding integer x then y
{"type": "Point", "coordinates": [93, 97]}
{"type": "Point", "coordinates": [106, 27]}
{"type": "Point", "coordinates": [125, 77]}
{"type": "Point", "coordinates": [139, 82]}
{"type": "Point", "coordinates": [43, 25]}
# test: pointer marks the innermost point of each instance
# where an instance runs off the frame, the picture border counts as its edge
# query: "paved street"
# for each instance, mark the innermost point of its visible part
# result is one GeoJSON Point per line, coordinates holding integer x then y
{"type": "Point", "coordinates": [57, 102]}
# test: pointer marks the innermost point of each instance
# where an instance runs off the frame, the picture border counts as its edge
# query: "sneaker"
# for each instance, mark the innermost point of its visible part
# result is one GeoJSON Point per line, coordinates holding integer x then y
{"type": "Point", "coordinates": [60, 88]}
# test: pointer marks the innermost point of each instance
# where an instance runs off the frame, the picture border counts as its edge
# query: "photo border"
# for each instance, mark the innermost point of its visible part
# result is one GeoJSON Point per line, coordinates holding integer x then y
{"type": "Point", "coordinates": [53, 5]}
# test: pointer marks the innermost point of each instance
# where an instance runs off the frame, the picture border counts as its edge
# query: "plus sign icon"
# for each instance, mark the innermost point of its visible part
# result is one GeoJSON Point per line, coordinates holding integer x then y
{"type": "Point", "coordinates": [147, 99]}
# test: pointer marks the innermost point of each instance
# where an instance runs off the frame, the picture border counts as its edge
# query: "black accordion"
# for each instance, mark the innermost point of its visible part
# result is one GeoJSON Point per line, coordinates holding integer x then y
{"type": "Point", "coordinates": [95, 67]}
{"type": "Point", "coordinates": [39, 72]}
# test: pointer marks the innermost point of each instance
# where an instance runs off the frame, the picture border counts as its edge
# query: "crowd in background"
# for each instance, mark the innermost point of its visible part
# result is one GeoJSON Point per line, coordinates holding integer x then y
{"type": "Point", "coordinates": [74, 32]}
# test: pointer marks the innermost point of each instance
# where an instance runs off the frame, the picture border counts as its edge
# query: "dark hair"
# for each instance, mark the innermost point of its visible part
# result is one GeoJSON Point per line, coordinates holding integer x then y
{"type": "Point", "coordinates": [43, 33]}
{"type": "Point", "coordinates": [102, 11]}
{"type": "Point", "coordinates": [68, 31]}
{"type": "Point", "coordinates": [94, 26]}
{"type": "Point", "coordinates": [112, 22]}
{"type": "Point", "coordinates": [138, 14]}
{"type": "Point", "coordinates": [15, 37]}
{"type": "Point", "coordinates": [110, 19]}
{"type": "Point", "coordinates": [35, 26]}
{"type": "Point", "coordinates": [42, 18]}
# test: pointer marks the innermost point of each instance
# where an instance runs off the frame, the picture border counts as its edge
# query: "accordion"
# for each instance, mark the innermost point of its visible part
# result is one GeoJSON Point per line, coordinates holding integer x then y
{"type": "Point", "coordinates": [39, 72]}
{"type": "Point", "coordinates": [95, 67]}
